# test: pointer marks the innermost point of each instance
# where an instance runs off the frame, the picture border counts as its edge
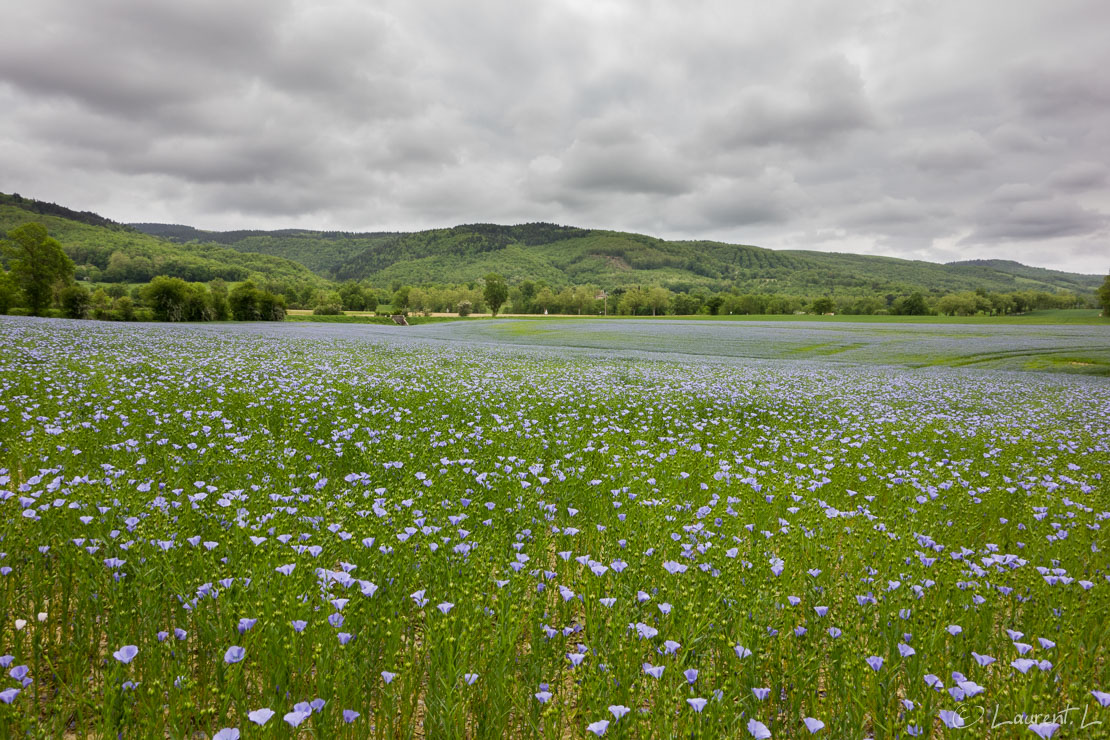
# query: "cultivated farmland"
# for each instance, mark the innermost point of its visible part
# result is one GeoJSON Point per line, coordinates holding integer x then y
{"type": "Point", "coordinates": [704, 529]}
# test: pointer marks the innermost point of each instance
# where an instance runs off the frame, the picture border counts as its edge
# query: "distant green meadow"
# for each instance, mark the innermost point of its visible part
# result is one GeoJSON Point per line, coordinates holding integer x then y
{"type": "Point", "coordinates": [1089, 316]}
{"type": "Point", "coordinates": [558, 528]}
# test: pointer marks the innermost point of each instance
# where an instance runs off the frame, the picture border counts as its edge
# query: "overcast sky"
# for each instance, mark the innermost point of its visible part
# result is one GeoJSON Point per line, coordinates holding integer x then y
{"type": "Point", "coordinates": [937, 130]}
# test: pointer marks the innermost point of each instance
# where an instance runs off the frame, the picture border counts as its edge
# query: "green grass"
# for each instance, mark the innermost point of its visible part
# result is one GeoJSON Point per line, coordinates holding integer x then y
{"type": "Point", "coordinates": [1076, 316]}
{"type": "Point", "coordinates": [1070, 363]}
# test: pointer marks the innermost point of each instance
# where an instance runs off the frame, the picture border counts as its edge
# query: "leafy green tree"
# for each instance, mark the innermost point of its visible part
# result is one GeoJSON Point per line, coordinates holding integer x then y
{"type": "Point", "coordinates": [243, 301]}
{"type": "Point", "coordinates": [126, 308]}
{"type": "Point", "coordinates": [101, 304]}
{"type": "Point", "coordinates": [1001, 303]}
{"type": "Point", "coordinates": [401, 299]}
{"type": "Point", "coordinates": [1104, 296]}
{"type": "Point", "coordinates": [420, 301]}
{"type": "Point", "coordinates": [75, 302]}
{"type": "Point", "coordinates": [957, 304]}
{"type": "Point", "coordinates": [658, 299]}
{"type": "Point", "coordinates": [37, 264]}
{"type": "Point", "coordinates": [781, 305]}
{"type": "Point", "coordinates": [584, 298]}
{"type": "Point", "coordinates": [8, 291]}
{"type": "Point", "coordinates": [271, 307]}
{"type": "Point", "coordinates": [327, 303]}
{"type": "Point", "coordinates": [867, 305]}
{"type": "Point", "coordinates": [751, 305]}
{"type": "Point", "coordinates": [633, 301]}
{"type": "Point", "coordinates": [527, 294]}
{"type": "Point", "coordinates": [119, 268]}
{"type": "Point", "coordinates": [544, 301]}
{"type": "Point", "coordinates": [352, 295]}
{"type": "Point", "coordinates": [686, 304]}
{"type": "Point", "coordinates": [1066, 299]}
{"type": "Point", "coordinates": [168, 297]}
{"type": "Point", "coordinates": [141, 269]}
{"type": "Point", "coordinates": [198, 304]}
{"type": "Point", "coordinates": [822, 306]}
{"type": "Point", "coordinates": [495, 292]}
{"type": "Point", "coordinates": [217, 301]}
{"type": "Point", "coordinates": [249, 303]}
{"type": "Point", "coordinates": [913, 305]}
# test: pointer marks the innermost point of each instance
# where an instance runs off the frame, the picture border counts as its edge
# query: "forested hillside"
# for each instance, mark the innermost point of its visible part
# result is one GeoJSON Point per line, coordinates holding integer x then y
{"type": "Point", "coordinates": [319, 251]}
{"type": "Point", "coordinates": [105, 251]}
{"type": "Point", "coordinates": [562, 256]}
{"type": "Point", "coordinates": [546, 267]}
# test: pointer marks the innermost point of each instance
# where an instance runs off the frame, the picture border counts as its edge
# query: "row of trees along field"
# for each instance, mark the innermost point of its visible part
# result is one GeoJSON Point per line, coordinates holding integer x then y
{"type": "Point", "coordinates": [530, 297]}
{"type": "Point", "coordinates": [38, 279]}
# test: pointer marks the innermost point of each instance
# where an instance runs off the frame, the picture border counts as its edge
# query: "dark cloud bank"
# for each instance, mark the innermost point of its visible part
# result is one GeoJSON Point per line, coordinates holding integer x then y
{"type": "Point", "coordinates": [929, 130]}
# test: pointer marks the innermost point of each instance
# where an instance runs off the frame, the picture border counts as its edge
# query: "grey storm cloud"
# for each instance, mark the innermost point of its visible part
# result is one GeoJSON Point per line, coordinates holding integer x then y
{"type": "Point", "coordinates": [1035, 219]}
{"type": "Point", "coordinates": [939, 131]}
{"type": "Point", "coordinates": [826, 102]}
{"type": "Point", "coordinates": [960, 151]}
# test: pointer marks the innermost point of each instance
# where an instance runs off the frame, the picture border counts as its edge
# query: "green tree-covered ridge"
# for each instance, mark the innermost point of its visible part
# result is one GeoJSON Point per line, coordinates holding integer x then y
{"type": "Point", "coordinates": [545, 267]}
{"type": "Point", "coordinates": [561, 256]}
{"type": "Point", "coordinates": [105, 251]}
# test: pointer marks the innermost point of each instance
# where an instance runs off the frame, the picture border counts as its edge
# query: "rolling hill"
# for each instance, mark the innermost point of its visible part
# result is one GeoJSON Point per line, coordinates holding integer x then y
{"type": "Point", "coordinates": [563, 255]}
{"type": "Point", "coordinates": [104, 250]}
{"type": "Point", "coordinates": [559, 256]}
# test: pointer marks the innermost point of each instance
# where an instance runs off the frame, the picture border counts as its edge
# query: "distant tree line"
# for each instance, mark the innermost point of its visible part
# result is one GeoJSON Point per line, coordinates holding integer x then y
{"type": "Point", "coordinates": [536, 297]}
{"type": "Point", "coordinates": [53, 209]}
{"type": "Point", "coordinates": [120, 268]}
{"type": "Point", "coordinates": [172, 299]}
